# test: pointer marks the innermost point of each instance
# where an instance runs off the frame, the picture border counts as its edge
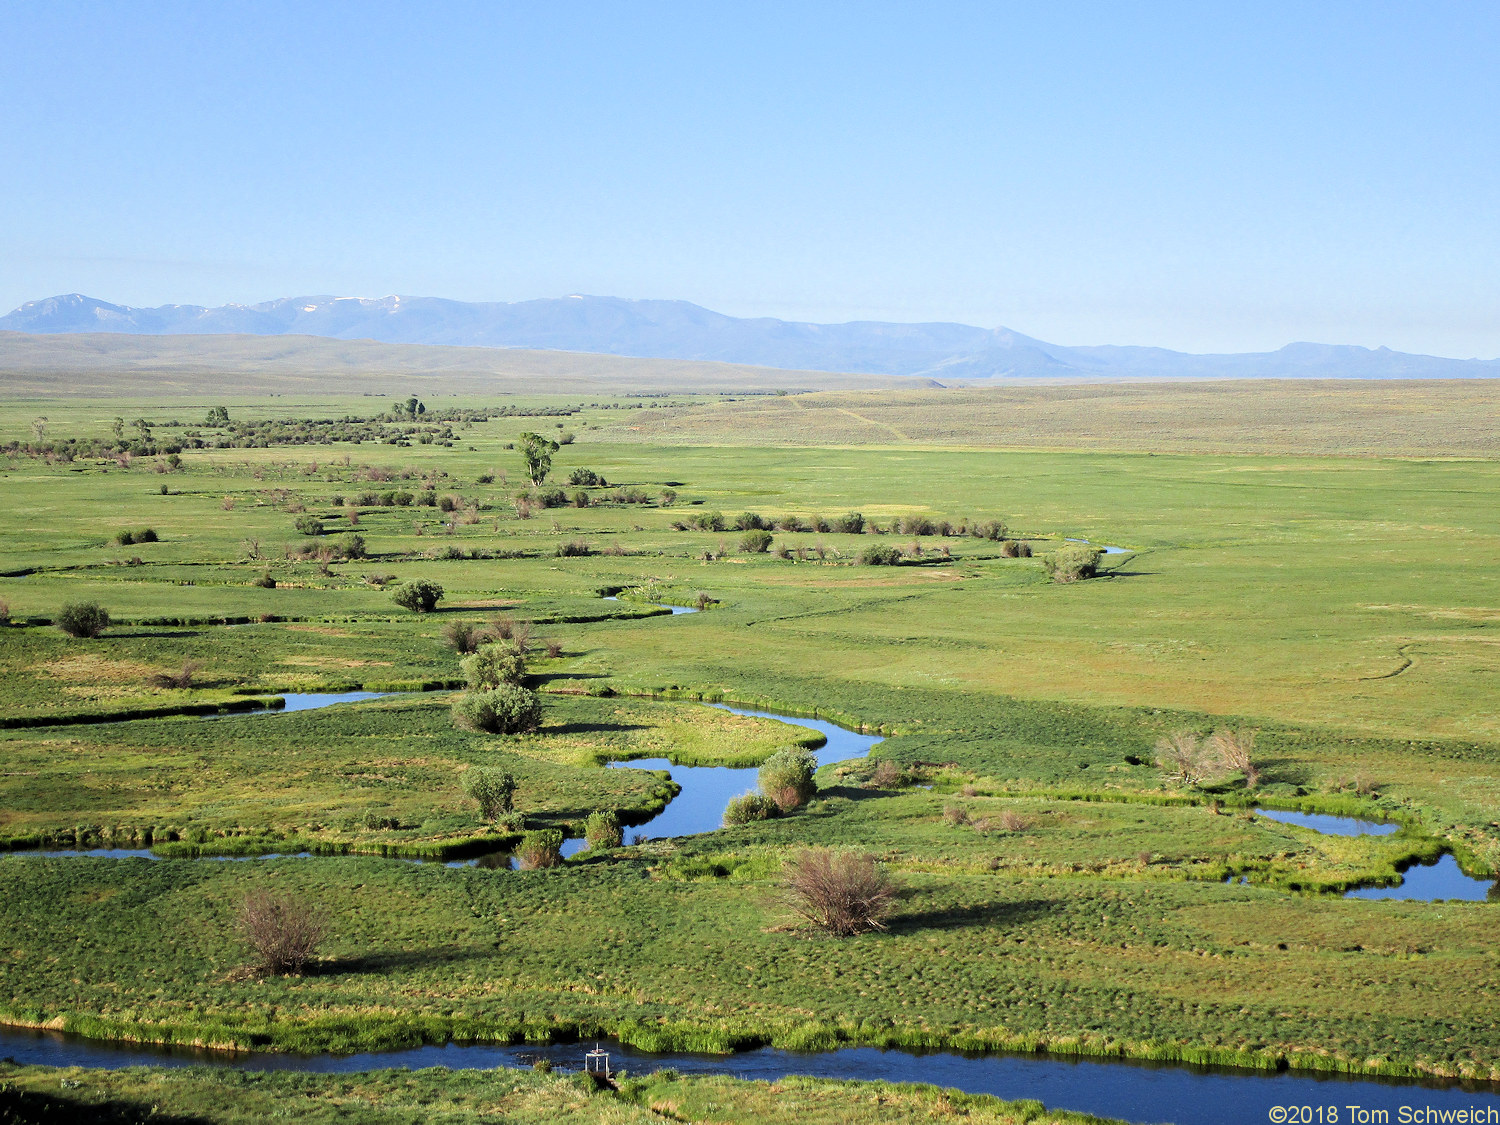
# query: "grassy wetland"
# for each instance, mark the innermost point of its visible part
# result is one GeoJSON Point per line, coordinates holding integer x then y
{"type": "Point", "coordinates": [1058, 888]}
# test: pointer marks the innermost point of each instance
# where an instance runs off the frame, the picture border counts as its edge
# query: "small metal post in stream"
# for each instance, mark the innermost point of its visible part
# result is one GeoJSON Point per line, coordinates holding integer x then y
{"type": "Point", "coordinates": [597, 1062]}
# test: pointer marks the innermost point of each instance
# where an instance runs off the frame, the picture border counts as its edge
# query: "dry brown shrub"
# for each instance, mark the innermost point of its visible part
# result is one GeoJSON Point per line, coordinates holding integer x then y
{"type": "Point", "coordinates": [956, 815]}
{"type": "Point", "coordinates": [1236, 750]}
{"type": "Point", "coordinates": [842, 893]}
{"type": "Point", "coordinates": [1182, 755]}
{"type": "Point", "coordinates": [283, 931]}
{"type": "Point", "coordinates": [887, 775]}
{"type": "Point", "coordinates": [788, 798]}
{"type": "Point", "coordinates": [182, 678]}
{"type": "Point", "coordinates": [1013, 821]}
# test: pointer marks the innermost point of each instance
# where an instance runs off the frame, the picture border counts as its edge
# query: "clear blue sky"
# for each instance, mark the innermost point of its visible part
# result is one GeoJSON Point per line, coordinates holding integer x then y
{"type": "Point", "coordinates": [1207, 176]}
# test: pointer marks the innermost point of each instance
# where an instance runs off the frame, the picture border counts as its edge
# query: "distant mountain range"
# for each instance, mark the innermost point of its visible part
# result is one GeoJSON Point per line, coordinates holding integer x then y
{"type": "Point", "coordinates": [948, 353]}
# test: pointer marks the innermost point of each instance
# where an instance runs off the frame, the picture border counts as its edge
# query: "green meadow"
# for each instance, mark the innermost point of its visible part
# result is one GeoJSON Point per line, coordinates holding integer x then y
{"type": "Point", "coordinates": [1058, 890]}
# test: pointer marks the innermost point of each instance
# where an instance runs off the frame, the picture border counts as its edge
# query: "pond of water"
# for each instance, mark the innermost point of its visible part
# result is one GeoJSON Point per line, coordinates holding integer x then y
{"type": "Point", "coordinates": [1106, 550]}
{"type": "Point", "coordinates": [1442, 879]}
{"type": "Point", "coordinates": [1331, 825]}
{"type": "Point", "coordinates": [676, 609]}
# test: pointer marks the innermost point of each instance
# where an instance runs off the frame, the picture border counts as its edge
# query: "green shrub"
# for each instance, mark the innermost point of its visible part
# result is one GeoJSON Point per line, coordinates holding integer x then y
{"type": "Point", "coordinates": [581, 499]}
{"type": "Point", "coordinates": [1075, 563]}
{"type": "Point", "coordinates": [750, 521]}
{"type": "Point", "coordinates": [82, 619]}
{"type": "Point", "coordinates": [748, 807]}
{"type": "Point", "coordinates": [492, 790]}
{"type": "Point", "coordinates": [418, 595]}
{"type": "Point", "coordinates": [552, 498]}
{"type": "Point", "coordinates": [851, 524]}
{"type": "Point", "coordinates": [1015, 549]}
{"type": "Point", "coordinates": [506, 709]}
{"type": "Point", "coordinates": [578, 548]}
{"type": "Point", "coordinates": [709, 521]}
{"type": "Point", "coordinates": [755, 542]}
{"type": "Point", "coordinates": [880, 554]}
{"type": "Point", "coordinates": [264, 580]}
{"type": "Point", "coordinates": [491, 665]}
{"type": "Point", "coordinates": [539, 850]}
{"type": "Point", "coordinates": [786, 777]}
{"type": "Point", "coordinates": [603, 830]}
{"type": "Point", "coordinates": [309, 525]}
{"type": "Point", "coordinates": [352, 546]}
{"type": "Point", "coordinates": [587, 478]}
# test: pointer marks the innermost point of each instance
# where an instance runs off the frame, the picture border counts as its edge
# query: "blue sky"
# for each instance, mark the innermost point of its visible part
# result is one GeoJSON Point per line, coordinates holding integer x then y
{"type": "Point", "coordinates": [1207, 176]}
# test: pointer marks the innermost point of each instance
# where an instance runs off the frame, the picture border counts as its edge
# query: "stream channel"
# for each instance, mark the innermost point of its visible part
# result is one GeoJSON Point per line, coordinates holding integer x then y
{"type": "Point", "coordinates": [1119, 1088]}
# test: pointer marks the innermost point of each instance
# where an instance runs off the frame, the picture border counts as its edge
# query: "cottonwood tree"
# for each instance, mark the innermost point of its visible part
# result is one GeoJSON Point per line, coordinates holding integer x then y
{"type": "Point", "coordinates": [537, 452]}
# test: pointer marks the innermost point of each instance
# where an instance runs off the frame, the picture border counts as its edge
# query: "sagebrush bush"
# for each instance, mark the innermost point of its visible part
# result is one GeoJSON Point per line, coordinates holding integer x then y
{"type": "Point", "coordinates": [264, 580]}
{"type": "Point", "coordinates": [352, 546]}
{"type": "Point", "coordinates": [82, 619]}
{"type": "Point", "coordinates": [851, 524]}
{"type": "Point", "coordinates": [841, 892]}
{"type": "Point", "coordinates": [578, 548]}
{"type": "Point", "coordinates": [747, 808]}
{"type": "Point", "coordinates": [418, 595]}
{"type": "Point", "coordinates": [750, 521]}
{"type": "Point", "coordinates": [493, 791]}
{"type": "Point", "coordinates": [282, 931]}
{"type": "Point", "coordinates": [506, 709]}
{"type": "Point", "coordinates": [602, 830]}
{"type": "Point", "coordinates": [309, 525]}
{"type": "Point", "coordinates": [786, 777]}
{"type": "Point", "coordinates": [490, 665]}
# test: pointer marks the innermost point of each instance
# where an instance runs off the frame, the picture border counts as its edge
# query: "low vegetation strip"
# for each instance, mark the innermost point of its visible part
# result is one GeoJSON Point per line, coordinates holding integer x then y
{"type": "Point", "coordinates": [437, 1096]}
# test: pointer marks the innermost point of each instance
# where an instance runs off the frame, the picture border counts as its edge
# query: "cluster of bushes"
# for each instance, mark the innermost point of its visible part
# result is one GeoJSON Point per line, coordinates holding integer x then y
{"type": "Point", "coordinates": [786, 784]}
{"type": "Point", "coordinates": [587, 478]}
{"type": "Point", "coordinates": [850, 524]}
{"type": "Point", "coordinates": [141, 535]}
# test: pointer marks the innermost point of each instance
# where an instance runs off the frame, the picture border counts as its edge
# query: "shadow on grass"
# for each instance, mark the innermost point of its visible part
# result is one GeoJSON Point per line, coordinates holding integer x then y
{"type": "Point", "coordinates": [962, 917]}
{"type": "Point", "coordinates": [394, 960]}
{"type": "Point", "coordinates": [593, 728]}
{"type": "Point", "coordinates": [26, 1106]}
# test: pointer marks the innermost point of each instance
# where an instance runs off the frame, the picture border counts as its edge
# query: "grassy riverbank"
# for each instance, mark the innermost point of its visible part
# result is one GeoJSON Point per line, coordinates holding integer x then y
{"type": "Point", "coordinates": [201, 1096]}
{"type": "Point", "coordinates": [676, 946]}
{"type": "Point", "coordinates": [1059, 888]}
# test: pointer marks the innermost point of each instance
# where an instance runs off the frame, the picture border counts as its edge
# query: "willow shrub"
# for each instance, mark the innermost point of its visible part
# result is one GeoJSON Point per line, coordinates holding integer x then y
{"type": "Point", "coordinates": [506, 709]}
{"type": "Point", "coordinates": [786, 777]}
{"type": "Point", "coordinates": [603, 830]}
